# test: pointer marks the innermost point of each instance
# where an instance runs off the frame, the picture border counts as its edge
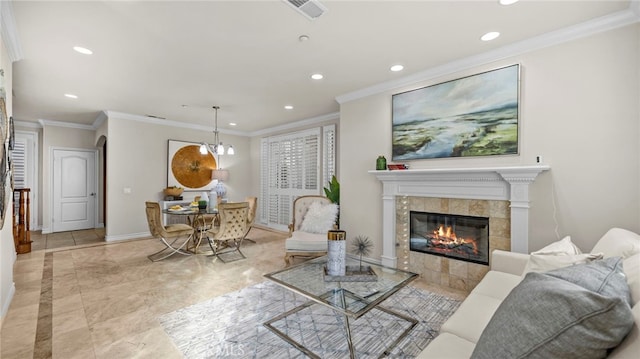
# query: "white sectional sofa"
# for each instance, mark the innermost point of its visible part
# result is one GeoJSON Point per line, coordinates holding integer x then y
{"type": "Point", "coordinates": [461, 336]}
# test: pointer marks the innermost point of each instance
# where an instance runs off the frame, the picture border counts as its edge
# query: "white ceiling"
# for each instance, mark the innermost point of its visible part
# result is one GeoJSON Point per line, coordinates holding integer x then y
{"type": "Point", "coordinates": [153, 57]}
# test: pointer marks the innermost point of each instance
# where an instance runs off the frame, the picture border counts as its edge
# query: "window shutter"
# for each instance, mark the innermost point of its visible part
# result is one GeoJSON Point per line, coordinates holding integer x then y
{"type": "Point", "coordinates": [18, 162]}
{"type": "Point", "coordinates": [329, 153]}
{"type": "Point", "coordinates": [290, 168]}
{"type": "Point", "coordinates": [263, 199]}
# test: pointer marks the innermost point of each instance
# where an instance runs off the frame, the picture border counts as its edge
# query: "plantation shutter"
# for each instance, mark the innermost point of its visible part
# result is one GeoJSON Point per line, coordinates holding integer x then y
{"type": "Point", "coordinates": [290, 168]}
{"type": "Point", "coordinates": [328, 154]}
{"type": "Point", "coordinates": [18, 155]}
{"type": "Point", "coordinates": [263, 199]}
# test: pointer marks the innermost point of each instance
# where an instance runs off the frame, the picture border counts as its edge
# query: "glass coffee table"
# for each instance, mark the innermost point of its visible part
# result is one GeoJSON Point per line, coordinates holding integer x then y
{"type": "Point", "coordinates": [352, 295]}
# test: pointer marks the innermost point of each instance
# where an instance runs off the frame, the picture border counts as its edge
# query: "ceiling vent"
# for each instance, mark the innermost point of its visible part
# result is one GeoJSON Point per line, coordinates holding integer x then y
{"type": "Point", "coordinates": [311, 9]}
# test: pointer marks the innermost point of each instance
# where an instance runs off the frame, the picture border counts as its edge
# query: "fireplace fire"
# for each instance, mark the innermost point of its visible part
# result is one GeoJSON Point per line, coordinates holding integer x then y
{"type": "Point", "coordinates": [455, 236]}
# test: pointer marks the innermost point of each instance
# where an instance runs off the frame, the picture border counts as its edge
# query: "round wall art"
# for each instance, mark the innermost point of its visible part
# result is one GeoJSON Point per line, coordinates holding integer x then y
{"type": "Point", "coordinates": [191, 168]}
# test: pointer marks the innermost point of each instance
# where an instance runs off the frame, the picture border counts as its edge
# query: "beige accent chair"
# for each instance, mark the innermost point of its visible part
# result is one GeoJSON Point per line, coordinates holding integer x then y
{"type": "Point", "coordinates": [166, 233]}
{"type": "Point", "coordinates": [233, 226]}
{"type": "Point", "coordinates": [251, 216]}
{"type": "Point", "coordinates": [304, 244]}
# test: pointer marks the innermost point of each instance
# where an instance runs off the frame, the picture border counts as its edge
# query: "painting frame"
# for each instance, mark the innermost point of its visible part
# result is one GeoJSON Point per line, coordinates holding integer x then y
{"type": "Point", "coordinates": [187, 168]}
{"type": "Point", "coordinates": [471, 116]}
{"type": "Point", "coordinates": [12, 134]}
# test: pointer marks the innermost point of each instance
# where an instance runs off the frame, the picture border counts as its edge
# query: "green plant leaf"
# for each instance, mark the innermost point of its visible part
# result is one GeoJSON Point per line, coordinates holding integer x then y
{"type": "Point", "coordinates": [333, 191]}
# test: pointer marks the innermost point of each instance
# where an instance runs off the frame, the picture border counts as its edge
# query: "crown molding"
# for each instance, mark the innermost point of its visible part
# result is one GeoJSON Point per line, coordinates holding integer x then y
{"type": "Point", "coordinates": [9, 31]}
{"type": "Point", "coordinates": [292, 125]}
{"type": "Point", "coordinates": [102, 116]}
{"type": "Point", "coordinates": [78, 126]}
{"type": "Point", "coordinates": [114, 115]}
{"type": "Point", "coordinates": [156, 121]}
{"type": "Point", "coordinates": [26, 124]}
{"type": "Point", "coordinates": [597, 25]}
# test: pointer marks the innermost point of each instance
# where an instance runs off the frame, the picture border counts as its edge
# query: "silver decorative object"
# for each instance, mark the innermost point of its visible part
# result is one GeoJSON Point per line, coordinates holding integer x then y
{"type": "Point", "coordinates": [337, 252]}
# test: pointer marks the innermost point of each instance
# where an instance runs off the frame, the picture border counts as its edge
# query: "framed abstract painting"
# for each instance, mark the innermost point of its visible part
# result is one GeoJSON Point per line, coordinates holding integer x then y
{"type": "Point", "coordinates": [476, 115]}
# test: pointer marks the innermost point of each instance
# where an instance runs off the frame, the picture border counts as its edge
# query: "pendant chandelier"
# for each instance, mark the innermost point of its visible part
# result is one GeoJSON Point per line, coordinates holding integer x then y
{"type": "Point", "coordinates": [217, 148]}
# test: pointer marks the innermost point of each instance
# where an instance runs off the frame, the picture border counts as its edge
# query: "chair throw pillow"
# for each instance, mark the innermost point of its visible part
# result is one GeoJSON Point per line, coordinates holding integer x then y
{"type": "Point", "coordinates": [580, 311]}
{"type": "Point", "coordinates": [319, 218]}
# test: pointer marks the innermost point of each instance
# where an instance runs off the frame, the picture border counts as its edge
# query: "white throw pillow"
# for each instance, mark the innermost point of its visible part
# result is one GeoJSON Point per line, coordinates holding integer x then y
{"type": "Point", "coordinates": [563, 246]}
{"type": "Point", "coordinates": [319, 218]}
{"type": "Point", "coordinates": [562, 253]}
{"type": "Point", "coordinates": [631, 267]}
{"type": "Point", "coordinates": [546, 262]}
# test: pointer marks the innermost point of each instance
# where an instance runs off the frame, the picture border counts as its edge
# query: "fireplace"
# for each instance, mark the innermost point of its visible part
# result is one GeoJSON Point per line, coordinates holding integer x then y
{"type": "Point", "coordinates": [449, 235]}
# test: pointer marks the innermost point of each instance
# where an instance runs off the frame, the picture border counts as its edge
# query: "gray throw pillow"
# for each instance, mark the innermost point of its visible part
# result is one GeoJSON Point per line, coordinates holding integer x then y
{"type": "Point", "coordinates": [579, 311]}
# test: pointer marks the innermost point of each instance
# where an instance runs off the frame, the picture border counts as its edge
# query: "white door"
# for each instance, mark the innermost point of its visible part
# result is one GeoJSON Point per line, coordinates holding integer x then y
{"type": "Point", "coordinates": [74, 190]}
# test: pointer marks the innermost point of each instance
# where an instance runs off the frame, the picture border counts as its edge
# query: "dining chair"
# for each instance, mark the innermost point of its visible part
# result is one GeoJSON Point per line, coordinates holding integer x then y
{"type": "Point", "coordinates": [227, 238]}
{"type": "Point", "coordinates": [251, 216]}
{"type": "Point", "coordinates": [175, 232]}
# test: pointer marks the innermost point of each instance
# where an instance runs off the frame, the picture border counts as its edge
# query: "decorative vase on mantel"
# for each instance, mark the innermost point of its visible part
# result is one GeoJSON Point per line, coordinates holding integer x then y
{"type": "Point", "coordinates": [381, 163]}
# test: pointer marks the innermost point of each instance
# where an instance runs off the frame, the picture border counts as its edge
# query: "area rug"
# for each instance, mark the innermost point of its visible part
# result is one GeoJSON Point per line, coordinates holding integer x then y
{"type": "Point", "coordinates": [230, 326]}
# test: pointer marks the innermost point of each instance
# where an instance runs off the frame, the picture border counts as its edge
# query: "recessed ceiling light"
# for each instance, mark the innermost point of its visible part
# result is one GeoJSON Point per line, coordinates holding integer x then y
{"type": "Point", "coordinates": [288, 107]}
{"type": "Point", "coordinates": [232, 124]}
{"type": "Point", "coordinates": [507, 2]}
{"type": "Point", "coordinates": [184, 106]}
{"type": "Point", "coordinates": [317, 76]}
{"type": "Point", "coordinates": [490, 36]}
{"type": "Point", "coordinates": [396, 68]}
{"type": "Point", "coordinates": [83, 50]}
{"type": "Point", "coordinates": [70, 95]}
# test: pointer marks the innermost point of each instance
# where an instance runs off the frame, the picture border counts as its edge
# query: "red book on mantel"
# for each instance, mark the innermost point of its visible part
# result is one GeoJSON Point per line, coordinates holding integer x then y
{"type": "Point", "coordinates": [396, 166]}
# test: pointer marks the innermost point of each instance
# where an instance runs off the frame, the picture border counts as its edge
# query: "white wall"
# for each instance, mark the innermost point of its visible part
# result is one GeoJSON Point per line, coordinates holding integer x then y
{"type": "Point", "coordinates": [579, 110]}
{"type": "Point", "coordinates": [137, 159]}
{"type": "Point", "coordinates": [7, 247]}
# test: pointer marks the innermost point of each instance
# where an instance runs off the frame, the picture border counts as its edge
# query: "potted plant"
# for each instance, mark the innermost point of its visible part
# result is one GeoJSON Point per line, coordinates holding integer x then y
{"type": "Point", "coordinates": [333, 193]}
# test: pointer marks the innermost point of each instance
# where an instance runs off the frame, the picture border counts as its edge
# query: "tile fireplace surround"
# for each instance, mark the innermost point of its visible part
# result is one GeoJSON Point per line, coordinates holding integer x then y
{"type": "Point", "coordinates": [500, 193]}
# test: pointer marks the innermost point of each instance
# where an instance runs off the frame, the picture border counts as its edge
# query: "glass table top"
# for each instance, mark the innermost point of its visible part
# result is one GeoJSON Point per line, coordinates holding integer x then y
{"type": "Point", "coordinates": [190, 210]}
{"type": "Point", "coordinates": [343, 294]}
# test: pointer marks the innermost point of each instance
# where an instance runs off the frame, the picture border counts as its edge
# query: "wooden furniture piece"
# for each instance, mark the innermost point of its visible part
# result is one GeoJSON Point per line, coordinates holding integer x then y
{"type": "Point", "coordinates": [233, 226]}
{"type": "Point", "coordinates": [300, 243]}
{"type": "Point", "coordinates": [21, 233]}
{"type": "Point", "coordinates": [166, 233]}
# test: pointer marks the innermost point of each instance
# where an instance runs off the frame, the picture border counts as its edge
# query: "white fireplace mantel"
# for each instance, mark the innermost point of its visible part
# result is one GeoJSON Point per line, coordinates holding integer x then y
{"type": "Point", "coordinates": [488, 183]}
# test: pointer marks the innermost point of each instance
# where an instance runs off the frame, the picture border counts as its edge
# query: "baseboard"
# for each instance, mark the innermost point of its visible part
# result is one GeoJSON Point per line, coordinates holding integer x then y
{"type": "Point", "coordinates": [265, 228]}
{"type": "Point", "coordinates": [5, 306]}
{"type": "Point", "coordinates": [124, 237]}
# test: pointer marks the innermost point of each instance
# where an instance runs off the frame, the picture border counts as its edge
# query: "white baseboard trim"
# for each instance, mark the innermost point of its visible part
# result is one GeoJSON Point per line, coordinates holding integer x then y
{"type": "Point", "coordinates": [124, 237]}
{"type": "Point", "coordinates": [5, 306]}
